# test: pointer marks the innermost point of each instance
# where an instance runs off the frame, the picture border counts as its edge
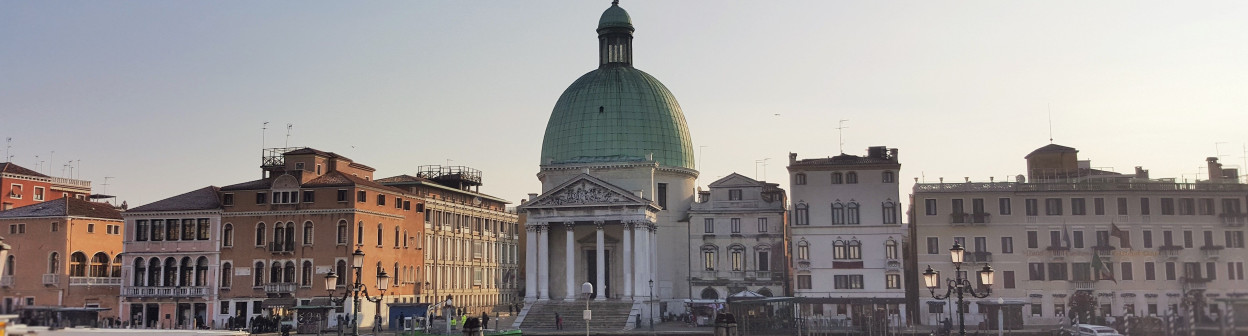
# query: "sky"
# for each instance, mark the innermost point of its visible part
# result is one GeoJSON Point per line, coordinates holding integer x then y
{"type": "Point", "coordinates": [164, 97]}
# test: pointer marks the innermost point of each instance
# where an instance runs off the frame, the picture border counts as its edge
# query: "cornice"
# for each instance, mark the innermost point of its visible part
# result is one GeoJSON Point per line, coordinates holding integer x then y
{"type": "Point", "coordinates": [308, 212]}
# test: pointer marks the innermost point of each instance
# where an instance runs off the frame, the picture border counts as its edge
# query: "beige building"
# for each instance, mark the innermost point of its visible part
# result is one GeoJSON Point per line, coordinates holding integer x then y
{"type": "Point", "coordinates": [1137, 245]}
{"type": "Point", "coordinates": [737, 240]}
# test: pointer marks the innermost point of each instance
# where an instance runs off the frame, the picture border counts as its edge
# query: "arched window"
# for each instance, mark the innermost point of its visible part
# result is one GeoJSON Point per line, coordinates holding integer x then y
{"type": "Point", "coordinates": [799, 178]}
{"type": "Point", "coordinates": [851, 178]}
{"type": "Point", "coordinates": [838, 178]}
{"type": "Point", "coordinates": [851, 214]}
{"type": "Point", "coordinates": [278, 232]}
{"type": "Point", "coordinates": [201, 271]}
{"type": "Point", "coordinates": [762, 257]}
{"type": "Point", "coordinates": [838, 213]}
{"type": "Point", "coordinates": [378, 234]}
{"type": "Point", "coordinates": [227, 235]}
{"type": "Point", "coordinates": [803, 250]}
{"type": "Point", "coordinates": [710, 293]}
{"type": "Point", "coordinates": [342, 232]}
{"type": "Point", "coordinates": [405, 239]}
{"type": "Point", "coordinates": [260, 234]}
{"type": "Point", "coordinates": [307, 233]}
{"type": "Point", "coordinates": [765, 292]}
{"type": "Point", "coordinates": [140, 271]}
{"type": "Point", "coordinates": [153, 272]}
{"type": "Point", "coordinates": [889, 212]}
{"type": "Point", "coordinates": [54, 263]}
{"type": "Point", "coordinates": [890, 249]}
{"type": "Point", "coordinates": [802, 215]}
{"type": "Point", "coordinates": [227, 274]}
{"type": "Point", "coordinates": [342, 272]}
{"type": "Point", "coordinates": [737, 257]}
{"type": "Point", "coordinates": [77, 264]}
{"type": "Point", "coordinates": [839, 250]}
{"type": "Point", "coordinates": [888, 177]}
{"type": "Point", "coordinates": [855, 250]}
{"type": "Point", "coordinates": [396, 276]}
{"type": "Point", "coordinates": [306, 274]}
{"type": "Point", "coordinates": [708, 257]}
{"type": "Point", "coordinates": [275, 272]}
{"type": "Point", "coordinates": [396, 236]}
{"type": "Point", "coordinates": [290, 235]}
{"type": "Point", "coordinates": [115, 267]}
{"type": "Point", "coordinates": [185, 277]}
{"type": "Point", "coordinates": [290, 273]}
{"type": "Point", "coordinates": [257, 274]}
{"type": "Point", "coordinates": [170, 272]}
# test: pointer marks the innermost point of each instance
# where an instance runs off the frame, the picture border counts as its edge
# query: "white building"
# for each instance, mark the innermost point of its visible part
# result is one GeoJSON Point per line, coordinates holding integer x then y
{"type": "Point", "coordinates": [846, 234]}
{"type": "Point", "coordinates": [1160, 242]}
{"type": "Point", "coordinates": [737, 237]}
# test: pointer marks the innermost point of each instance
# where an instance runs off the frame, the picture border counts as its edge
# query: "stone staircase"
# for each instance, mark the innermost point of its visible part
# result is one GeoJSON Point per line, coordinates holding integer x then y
{"type": "Point", "coordinates": [608, 315]}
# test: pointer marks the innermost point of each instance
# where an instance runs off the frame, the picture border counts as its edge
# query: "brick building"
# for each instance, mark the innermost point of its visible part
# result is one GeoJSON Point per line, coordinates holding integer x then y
{"type": "Point", "coordinates": [21, 187]}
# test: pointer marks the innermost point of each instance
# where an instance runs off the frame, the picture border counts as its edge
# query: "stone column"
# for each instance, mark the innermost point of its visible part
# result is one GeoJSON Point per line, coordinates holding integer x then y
{"type": "Point", "coordinates": [543, 262]}
{"type": "Point", "coordinates": [601, 261]}
{"type": "Point", "coordinates": [570, 263]}
{"type": "Point", "coordinates": [530, 264]}
{"type": "Point", "coordinates": [627, 266]}
{"type": "Point", "coordinates": [641, 261]}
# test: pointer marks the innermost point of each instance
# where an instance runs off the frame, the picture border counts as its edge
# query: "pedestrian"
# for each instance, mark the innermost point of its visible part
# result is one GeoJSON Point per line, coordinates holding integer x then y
{"type": "Point", "coordinates": [452, 320]}
{"type": "Point", "coordinates": [485, 320]}
{"type": "Point", "coordinates": [558, 321]}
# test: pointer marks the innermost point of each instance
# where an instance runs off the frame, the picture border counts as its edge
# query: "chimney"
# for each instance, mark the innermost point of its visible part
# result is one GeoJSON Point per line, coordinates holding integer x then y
{"type": "Point", "coordinates": [892, 152]}
{"type": "Point", "coordinates": [1141, 173]}
{"type": "Point", "coordinates": [1215, 168]}
{"type": "Point", "coordinates": [792, 158]}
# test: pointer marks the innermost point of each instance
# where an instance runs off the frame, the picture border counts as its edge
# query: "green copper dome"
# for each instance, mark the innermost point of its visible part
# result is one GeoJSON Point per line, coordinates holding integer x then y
{"type": "Point", "coordinates": [617, 113]}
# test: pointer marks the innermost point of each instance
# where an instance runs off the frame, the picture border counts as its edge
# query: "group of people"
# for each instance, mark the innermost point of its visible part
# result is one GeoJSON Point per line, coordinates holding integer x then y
{"type": "Point", "coordinates": [462, 319]}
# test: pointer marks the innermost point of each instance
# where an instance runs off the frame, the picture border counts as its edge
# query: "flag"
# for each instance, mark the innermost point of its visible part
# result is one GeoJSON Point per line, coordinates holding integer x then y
{"type": "Point", "coordinates": [1124, 237]}
{"type": "Point", "coordinates": [1065, 235]}
{"type": "Point", "coordinates": [1102, 270]}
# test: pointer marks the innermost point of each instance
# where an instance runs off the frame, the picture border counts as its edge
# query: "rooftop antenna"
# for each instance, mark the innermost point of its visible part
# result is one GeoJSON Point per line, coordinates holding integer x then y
{"type": "Point", "coordinates": [288, 128]}
{"type": "Point", "coordinates": [840, 134]}
{"type": "Point", "coordinates": [263, 130]}
{"type": "Point", "coordinates": [1050, 123]}
{"type": "Point", "coordinates": [105, 189]}
{"type": "Point", "coordinates": [50, 162]}
{"type": "Point", "coordinates": [79, 165]}
{"type": "Point", "coordinates": [764, 162]}
{"type": "Point", "coordinates": [8, 146]}
{"type": "Point", "coordinates": [37, 163]}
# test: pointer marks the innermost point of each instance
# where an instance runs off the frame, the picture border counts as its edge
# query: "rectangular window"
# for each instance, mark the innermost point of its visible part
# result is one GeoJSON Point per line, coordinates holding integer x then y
{"type": "Point", "coordinates": [1008, 277]}
{"type": "Point", "coordinates": [1148, 238]}
{"type": "Point", "coordinates": [1007, 245]}
{"type": "Point", "coordinates": [661, 194]}
{"type": "Point", "coordinates": [1144, 206]}
{"type": "Point", "coordinates": [708, 225]}
{"type": "Point", "coordinates": [1057, 271]}
{"type": "Point", "coordinates": [1035, 271]}
{"type": "Point", "coordinates": [1078, 207]}
{"type": "Point", "coordinates": [1055, 239]}
{"type": "Point", "coordinates": [1150, 271]}
{"type": "Point", "coordinates": [1053, 206]}
{"type": "Point", "coordinates": [1003, 206]}
{"type": "Point", "coordinates": [764, 261]}
{"type": "Point", "coordinates": [342, 195]}
{"type": "Point", "coordinates": [140, 229]}
{"type": "Point", "coordinates": [1122, 206]}
{"type": "Point", "coordinates": [381, 199]}
{"type": "Point", "coordinates": [1230, 206]}
{"type": "Point", "coordinates": [847, 281]}
{"type": "Point", "coordinates": [1098, 206]}
{"type": "Point", "coordinates": [90, 227]}
{"type": "Point", "coordinates": [361, 196]}
{"type": "Point", "coordinates": [762, 225]}
{"type": "Point", "coordinates": [1211, 271]}
{"type": "Point", "coordinates": [261, 198]}
{"type": "Point", "coordinates": [38, 193]}
{"type": "Point", "coordinates": [1206, 206]}
{"type": "Point", "coordinates": [1187, 239]}
{"type": "Point", "coordinates": [933, 245]}
{"type": "Point", "coordinates": [929, 206]}
{"type": "Point", "coordinates": [1208, 238]}
{"type": "Point", "coordinates": [734, 194]}
{"type": "Point", "coordinates": [1128, 273]}
{"type": "Point", "coordinates": [1033, 206]}
{"type": "Point", "coordinates": [309, 196]}
{"type": "Point", "coordinates": [1170, 271]}
{"type": "Point", "coordinates": [1167, 206]}
{"type": "Point", "coordinates": [1081, 271]}
{"type": "Point", "coordinates": [892, 281]}
{"type": "Point", "coordinates": [1033, 239]}
{"type": "Point", "coordinates": [1167, 238]}
{"type": "Point", "coordinates": [202, 229]}
{"type": "Point", "coordinates": [736, 225]}
{"type": "Point", "coordinates": [1187, 206]}
{"type": "Point", "coordinates": [957, 206]}
{"type": "Point", "coordinates": [803, 281]}
{"type": "Point", "coordinates": [1077, 237]}
{"type": "Point", "coordinates": [981, 244]}
{"type": "Point", "coordinates": [1234, 239]}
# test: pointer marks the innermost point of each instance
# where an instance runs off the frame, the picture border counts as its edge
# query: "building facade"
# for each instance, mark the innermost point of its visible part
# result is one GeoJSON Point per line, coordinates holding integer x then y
{"type": "Point", "coordinates": [847, 236]}
{"type": "Point", "coordinates": [1069, 235]}
{"type": "Point", "coordinates": [172, 265]}
{"type": "Point", "coordinates": [469, 238]}
{"type": "Point", "coordinates": [737, 236]}
{"type": "Point", "coordinates": [21, 187]}
{"type": "Point", "coordinates": [65, 264]}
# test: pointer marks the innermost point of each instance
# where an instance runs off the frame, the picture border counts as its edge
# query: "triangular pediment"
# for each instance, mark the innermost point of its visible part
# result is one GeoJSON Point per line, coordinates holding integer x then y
{"type": "Point", "coordinates": [586, 190]}
{"type": "Point", "coordinates": [735, 180]}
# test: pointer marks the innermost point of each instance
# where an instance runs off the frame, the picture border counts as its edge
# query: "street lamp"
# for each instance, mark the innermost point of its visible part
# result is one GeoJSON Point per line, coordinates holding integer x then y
{"type": "Point", "coordinates": [354, 290]}
{"type": "Point", "coordinates": [651, 304]}
{"type": "Point", "coordinates": [959, 283]}
{"type": "Point", "coordinates": [587, 289]}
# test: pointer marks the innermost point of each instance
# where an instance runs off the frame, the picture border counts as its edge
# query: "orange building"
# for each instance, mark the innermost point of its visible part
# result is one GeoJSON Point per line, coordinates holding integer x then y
{"type": "Point", "coordinates": [21, 187]}
{"type": "Point", "coordinates": [76, 244]}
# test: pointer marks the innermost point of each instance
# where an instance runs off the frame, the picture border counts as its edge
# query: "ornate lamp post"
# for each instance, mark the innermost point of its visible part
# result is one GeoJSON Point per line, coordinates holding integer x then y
{"type": "Point", "coordinates": [959, 284]}
{"type": "Point", "coordinates": [651, 304]}
{"type": "Point", "coordinates": [354, 290]}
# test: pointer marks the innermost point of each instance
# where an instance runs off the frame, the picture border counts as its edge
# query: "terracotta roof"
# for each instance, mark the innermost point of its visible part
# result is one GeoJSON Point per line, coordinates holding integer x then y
{"type": "Point", "coordinates": [199, 199]}
{"type": "Point", "coordinates": [401, 179]}
{"type": "Point", "coordinates": [12, 168]}
{"type": "Point", "coordinates": [844, 159]}
{"type": "Point", "coordinates": [251, 185]}
{"type": "Point", "coordinates": [65, 206]}
{"type": "Point", "coordinates": [314, 151]}
{"type": "Point", "coordinates": [1051, 148]}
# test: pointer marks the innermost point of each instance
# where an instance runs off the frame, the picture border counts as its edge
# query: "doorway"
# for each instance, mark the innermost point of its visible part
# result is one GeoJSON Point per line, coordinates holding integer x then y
{"type": "Point", "coordinates": [591, 272]}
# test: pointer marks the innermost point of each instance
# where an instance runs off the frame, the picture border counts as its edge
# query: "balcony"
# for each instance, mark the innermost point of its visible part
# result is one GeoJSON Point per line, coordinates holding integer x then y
{"type": "Point", "coordinates": [280, 288]}
{"type": "Point", "coordinates": [706, 275]}
{"type": "Point", "coordinates": [164, 291]}
{"type": "Point", "coordinates": [1103, 247]}
{"type": "Point", "coordinates": [94, 281]}
{"type": "Point", "coordinates": [1083, 285]}
{"type": "Point", "coordinates": [892, 265]}
{"type": "Point", "coordinates": [1234, 219]}
{"type": "Point", "coordinates": [1170, 251]}
{"type": "Point", "coordinates": [978, 257]}
{"type": "Point", "coordinates": [51, 279]}
{"type": "Point", "coordinates": [1211, 251]}
{"type": "Point", "coordinates": [1194, 283]}
{"type": "Point", "coordinates": [959, 218]}
{"type": "Point", "coordinates": [7, 281]}
{"type": "Point", "coordinates": [758, 275]}
{"type": "Point", "coordinates": [282, 247]}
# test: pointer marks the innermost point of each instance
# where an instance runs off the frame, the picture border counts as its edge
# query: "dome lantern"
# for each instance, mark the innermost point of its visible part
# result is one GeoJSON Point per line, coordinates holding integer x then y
{"type": "Point", "coordinates": [615, 37]}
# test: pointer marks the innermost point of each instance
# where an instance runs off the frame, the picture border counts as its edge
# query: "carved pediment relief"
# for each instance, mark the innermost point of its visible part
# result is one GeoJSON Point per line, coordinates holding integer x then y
{"type": "Point", "coordinates": [582, 193]}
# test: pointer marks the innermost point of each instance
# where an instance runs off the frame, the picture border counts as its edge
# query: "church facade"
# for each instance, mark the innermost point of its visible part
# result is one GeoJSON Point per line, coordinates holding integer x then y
{"type": "Point", "coordinates": [618, 180]}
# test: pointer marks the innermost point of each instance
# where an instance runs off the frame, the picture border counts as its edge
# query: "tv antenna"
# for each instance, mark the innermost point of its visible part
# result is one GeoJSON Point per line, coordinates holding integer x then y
{"type": "Point", "coordinates": [1050, 123]}
{"type": "Point", "coordinates": [288, 128]}
{"type": "Point", "coordinates": [840, 134]}
{"type": "Point", "coordinates": [264, 129]}
{"type": "Point", "coordinates": [8, 146]}
{"type": "Point", "coordinates": [105, 189]}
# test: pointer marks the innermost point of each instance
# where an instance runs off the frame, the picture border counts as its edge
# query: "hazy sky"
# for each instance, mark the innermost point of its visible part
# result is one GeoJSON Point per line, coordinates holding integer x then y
{"type": "Point", "coordinates": [168, 96]}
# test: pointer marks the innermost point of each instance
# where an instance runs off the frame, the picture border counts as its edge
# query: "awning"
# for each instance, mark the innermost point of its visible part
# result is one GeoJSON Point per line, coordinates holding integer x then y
{"type": "Point", "coordinates": [318, 303]}
{"type": "Point", "coordinates": [746, 294]}
{"type": "Point", "coordinates": [277, 302]}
